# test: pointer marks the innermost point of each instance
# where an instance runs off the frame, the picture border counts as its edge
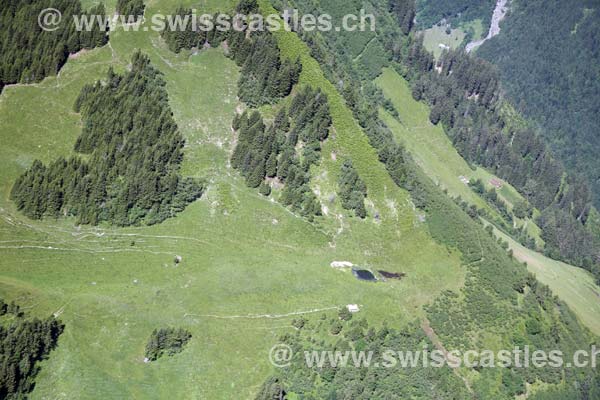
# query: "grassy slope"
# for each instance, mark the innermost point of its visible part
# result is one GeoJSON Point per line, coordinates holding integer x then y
{"type": "Point", "coordinates": [434, 152]}
{"type": "Point", "coordinates": [432, 149]}
{"type": "Point", "coordinates": [242, 254]}
{"type": "Point", "coordinates": [573, 285]}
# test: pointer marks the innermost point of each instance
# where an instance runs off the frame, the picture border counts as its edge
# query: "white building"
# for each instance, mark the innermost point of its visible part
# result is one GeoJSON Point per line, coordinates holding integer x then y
{"type": "Point", "coordinates": [353, 308]}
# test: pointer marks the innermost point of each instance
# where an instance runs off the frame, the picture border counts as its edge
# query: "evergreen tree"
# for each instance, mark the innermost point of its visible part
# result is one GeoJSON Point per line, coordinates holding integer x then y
{"type": "Point", "coordinates": [130, 7]}
{"type": "Point", "coordinates": [135, 151]}
{"type": "Point", "coordinates": [352, 190]}
{"type": "Point", "coordinates": [168, 341]}
{"type": "Point", "coordinates": [29, 55]}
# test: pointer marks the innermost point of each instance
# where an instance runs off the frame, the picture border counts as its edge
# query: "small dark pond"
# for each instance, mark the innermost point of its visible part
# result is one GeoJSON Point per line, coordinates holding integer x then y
{"type": "Point", "coordinates": [364, 275]}
{"type": "Point", "coordinates": [392, 275]}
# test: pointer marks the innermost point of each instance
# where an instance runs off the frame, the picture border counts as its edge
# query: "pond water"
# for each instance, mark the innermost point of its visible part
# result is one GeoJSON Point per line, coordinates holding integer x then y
{"type": "Point", "coordinates": [364, 275]}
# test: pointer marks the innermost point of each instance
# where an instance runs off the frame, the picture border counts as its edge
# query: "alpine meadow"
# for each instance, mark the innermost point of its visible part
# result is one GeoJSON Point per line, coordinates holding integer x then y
{"type": "Point", "coordinates": [298, 199]}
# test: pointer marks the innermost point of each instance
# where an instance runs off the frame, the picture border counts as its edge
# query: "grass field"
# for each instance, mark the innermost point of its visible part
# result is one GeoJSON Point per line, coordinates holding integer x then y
{"type": "Point", "coordinates": [573, 285]}
{"type": "Point", "coordinates": [436, 37]}
{"type": "Point", "coordinates": [433, 151]}
{"type": "Point", "coordinates": [248, 263]}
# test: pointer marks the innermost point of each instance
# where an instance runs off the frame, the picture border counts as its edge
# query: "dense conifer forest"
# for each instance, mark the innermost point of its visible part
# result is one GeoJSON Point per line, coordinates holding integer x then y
{"type": "Point", "coordinates": [24, 342]}
{"type": "Point", "coordinates": [130, 151]}
{"type": "Point", "coordinates": [27, 53]}
{"type": "Point", "coordinates": [547, 56]}
{"type": "Point", "coordinates": [271, 153]}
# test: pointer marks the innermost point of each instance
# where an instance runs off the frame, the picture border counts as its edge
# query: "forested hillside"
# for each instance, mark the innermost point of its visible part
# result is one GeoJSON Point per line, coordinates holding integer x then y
{"type": "Point", "coordinates": [430, 12]}
{"type": "Point", "coordinates": [27, 53]}
{"type": "Point", "coordinates": [547, 55]}
{"type": "Point", "coordinates": [133, 151]}
{"type": "Point", "coordinates": [465, 96]}
{"type": "Point", "coordinates": [485, 132]}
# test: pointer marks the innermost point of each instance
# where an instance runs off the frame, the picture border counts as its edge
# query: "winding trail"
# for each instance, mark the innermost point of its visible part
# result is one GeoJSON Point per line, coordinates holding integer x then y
{"type": "Point", "coordinates": [497, 17]}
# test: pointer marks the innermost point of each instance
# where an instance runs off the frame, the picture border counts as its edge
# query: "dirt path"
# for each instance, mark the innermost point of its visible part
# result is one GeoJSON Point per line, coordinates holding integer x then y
{"type": "Point", "coordinates": [497, 17]}
{"type": "Point", "coordinates": [261, 316]}
{"type": "Point", "coordinates": [451, 360]}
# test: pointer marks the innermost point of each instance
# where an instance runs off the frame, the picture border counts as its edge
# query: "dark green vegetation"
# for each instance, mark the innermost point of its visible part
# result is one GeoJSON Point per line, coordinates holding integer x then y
{"type": "Point", "coordinates": [404, 11]}
{"type": "Point", "coordinates": [27, 53]}
{"type": "Point", "coordinates": [130, 7]}
{"type": "Point", "coordinates": [265, 77]}
{"type": "Point", "coordinates": [492, 197]}
{"type": "Point", "coordinates": [167, 341]}
{"type": "Point", "coordinates": [387, 380]}
{"type": "Point", "coordinates": [430, 12]}
{"type": "Point", "coordinates": [486, 134]}
{"type": "Point", "coordinates": [547, 55]}
{"type": "Point", "coordinates": [498, 289]}
{"type": "Point", "coordinates": [133, 150]}
{"type": "Point", "coordinates": [352, 190]}
{"type": "Point", "coordinates": [270, 152]}
{"type": "Point", "coordinates": [24, 342]}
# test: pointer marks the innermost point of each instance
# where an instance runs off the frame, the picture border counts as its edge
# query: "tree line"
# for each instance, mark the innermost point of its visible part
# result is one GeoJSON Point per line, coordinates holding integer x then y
{"type": "Point", "coordinates": [265, 76]}
{"type": "Point", "coordinates": [29, 54]}
{"type": "Point", "coordinates": [24, 342]}
{"type": "Point", "coordinates": [130, 152]}
{"type": "Point", "coordinates": [270, 152]}
{"type": "Point", "coordinates": [464, 94]}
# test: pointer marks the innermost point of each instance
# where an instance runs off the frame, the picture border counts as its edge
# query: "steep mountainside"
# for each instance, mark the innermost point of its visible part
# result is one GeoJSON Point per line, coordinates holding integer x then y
{"type": "Point", "coordinates": [548, 57]}
{"type": "Point", "coordinates": [171, 289]}
{"type": "Point", "coordinates": [430, 12]}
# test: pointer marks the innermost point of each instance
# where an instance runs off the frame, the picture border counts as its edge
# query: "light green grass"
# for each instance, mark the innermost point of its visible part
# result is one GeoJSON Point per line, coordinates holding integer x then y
{"type": "Point", "coordinates": [575, 286]}
{"type": "Point", "coordinates": [436, 36]}
{"type": "Point", "coordinates": [427, 143]}
{"type": "Point", "coordinates": [433, 151]}
{"type": "Point", "coordinates": [242, 254]}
